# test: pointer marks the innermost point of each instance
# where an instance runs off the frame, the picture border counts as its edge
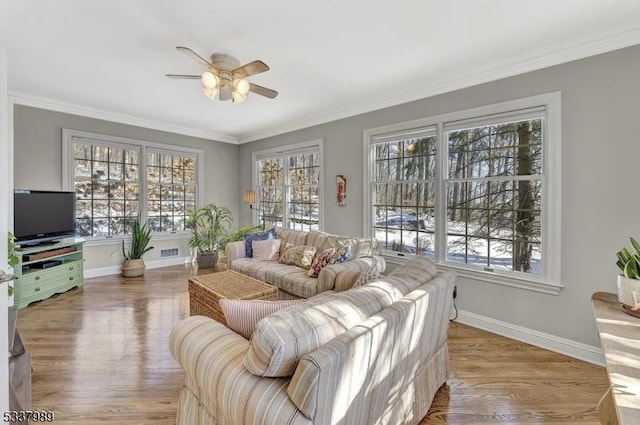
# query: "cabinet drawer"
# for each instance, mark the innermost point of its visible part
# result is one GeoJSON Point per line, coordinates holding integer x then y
{"type": "Point", "coordinates": [36, 290]}
{"type": "Point", "coordinates": [51, 286]}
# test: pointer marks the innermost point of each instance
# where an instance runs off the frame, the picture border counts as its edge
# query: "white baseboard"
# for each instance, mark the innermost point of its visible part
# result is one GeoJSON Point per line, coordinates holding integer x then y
{"type": "Point", "coordinates": [112, 270]}
{"type": "Point", "coordinates": [577, 350]}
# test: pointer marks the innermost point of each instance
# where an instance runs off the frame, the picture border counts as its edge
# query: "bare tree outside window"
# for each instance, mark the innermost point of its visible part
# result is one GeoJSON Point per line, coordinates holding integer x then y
{"type": "Point", "coordinates": [494, 191]}
{"type": "Point", "coordinates": [289, 190]}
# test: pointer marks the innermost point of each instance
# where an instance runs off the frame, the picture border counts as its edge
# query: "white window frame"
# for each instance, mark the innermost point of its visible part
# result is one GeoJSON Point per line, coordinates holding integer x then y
{"type": "Point", "coordinates": [549, 281]}
{"type": "Point", "coordinates": [69, 136]}
{"type": "Point", "coordinates": [293, 149]}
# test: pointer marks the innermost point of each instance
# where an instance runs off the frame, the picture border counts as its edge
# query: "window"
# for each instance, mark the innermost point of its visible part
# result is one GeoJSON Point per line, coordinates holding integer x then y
{"type": "Point", "coordinates": [116, 180]}
{"type": "Point", "coordinates": [404, 188]}
{"type": "Point", "coordinates": [476, 190]}
{"type": "Point", "coordinates": [288, 186]}
{"type": "Point", "coordinates": [494, 190]}
{"type": "Point", "coordinates": [171, 189]}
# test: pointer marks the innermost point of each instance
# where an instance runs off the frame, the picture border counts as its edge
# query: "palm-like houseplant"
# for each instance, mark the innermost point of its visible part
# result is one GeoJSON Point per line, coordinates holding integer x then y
{"type": "Point", "coordinates": [629, 281]}
{"type": "Point", "coordinates": [133, 264]}
{"type": "Point", "coordinates": [209, 226]}
{"type": "Point", "coordinates": [12, 256]}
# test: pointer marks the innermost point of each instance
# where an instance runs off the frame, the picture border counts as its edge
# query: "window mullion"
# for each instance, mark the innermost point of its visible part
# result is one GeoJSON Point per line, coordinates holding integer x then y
{"type": "Point", "coordinates": [442, 155]}
{"type": "Point", "coordinates": [144, 187]}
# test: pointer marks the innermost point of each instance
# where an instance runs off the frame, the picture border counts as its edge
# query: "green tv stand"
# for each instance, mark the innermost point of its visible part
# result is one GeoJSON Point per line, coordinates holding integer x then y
{"type": "Point", "coordinates": [46, 270]}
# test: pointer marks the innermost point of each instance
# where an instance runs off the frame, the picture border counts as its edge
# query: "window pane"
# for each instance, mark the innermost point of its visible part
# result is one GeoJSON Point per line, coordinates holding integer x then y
{"type": "Point", "coordinates": [116, 155]}
{"type": "Point", "coordinates": [81, 151]}
{"type": "Point", "coordinates": [82, 168]}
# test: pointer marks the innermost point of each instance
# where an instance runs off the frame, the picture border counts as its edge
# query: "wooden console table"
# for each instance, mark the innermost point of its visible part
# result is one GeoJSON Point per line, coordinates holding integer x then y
{"type": "Point", "coordinates": [620, 340]}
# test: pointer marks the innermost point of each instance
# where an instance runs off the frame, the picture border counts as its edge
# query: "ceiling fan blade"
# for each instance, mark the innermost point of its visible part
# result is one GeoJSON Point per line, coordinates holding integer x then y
{"type": "Point", "coordinates": [262, 91]}
{"type": "Point", "coordinates": [183, 76]}
{"type": "Point", "coordinates": [187, 51]}
{"type": "Point", "coordinates": [252, 68]}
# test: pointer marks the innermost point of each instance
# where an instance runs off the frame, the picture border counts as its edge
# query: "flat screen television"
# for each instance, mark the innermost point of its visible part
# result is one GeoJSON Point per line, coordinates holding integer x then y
{"type": "Point", "coordinates": [42, 216]}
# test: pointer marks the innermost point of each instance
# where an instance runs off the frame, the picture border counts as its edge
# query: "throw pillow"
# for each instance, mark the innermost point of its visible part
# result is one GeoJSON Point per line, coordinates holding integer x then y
{"type": "Point", "coordinates": [259, 236]}
{"type": "Point", "coordinates": [242, 315]}
{"type": "Point", "coordinates": [301, 256]}
{"type": "Point", "coordinates": [342, 254]}
{"type": "Point", "coordinates": [320, 261]}
{"type": "Point", "coordinates": [284, 246]}
{"type": "Point", "coordinates": [367, 276]}
{"type": "Point", "coordinates": [267, 250]}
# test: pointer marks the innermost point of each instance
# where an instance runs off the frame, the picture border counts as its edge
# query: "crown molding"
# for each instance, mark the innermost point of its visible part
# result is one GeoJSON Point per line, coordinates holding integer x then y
{"type": "Point", "coordinates": [570, 50]}
{"type": "Point", "coordinates": [574, 49]}
{"type": "Point", "coordinates": [25, 99]}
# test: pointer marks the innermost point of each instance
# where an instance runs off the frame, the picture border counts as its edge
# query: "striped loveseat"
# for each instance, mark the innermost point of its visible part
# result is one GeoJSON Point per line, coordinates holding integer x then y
{"type": "Point", "coordinates": [293, 281]}
{"type": "Point", "coordinates": [374, 354]}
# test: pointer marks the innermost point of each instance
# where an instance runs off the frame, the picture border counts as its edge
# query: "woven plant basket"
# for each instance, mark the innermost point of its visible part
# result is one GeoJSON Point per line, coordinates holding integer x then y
{"type": "Point", "coordinates": [133, 268]}
{"type": "Point", "coordinates": [207, 260]}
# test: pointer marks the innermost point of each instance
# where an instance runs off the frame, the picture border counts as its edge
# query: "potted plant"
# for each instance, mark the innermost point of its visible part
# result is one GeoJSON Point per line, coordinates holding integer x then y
{"type": "Point", "coordinates": [12, 256]}
{"type": "Point", "coordinates": [629, 280]}
{"type": "Point", "coordinates": [133, 264]}
{"type": "Point", "coordinates": [209, 226]}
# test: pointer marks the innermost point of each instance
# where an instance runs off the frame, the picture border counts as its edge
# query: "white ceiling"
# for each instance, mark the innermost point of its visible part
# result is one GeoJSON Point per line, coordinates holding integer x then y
{"type": "Point", "coordinates": [329, 59]}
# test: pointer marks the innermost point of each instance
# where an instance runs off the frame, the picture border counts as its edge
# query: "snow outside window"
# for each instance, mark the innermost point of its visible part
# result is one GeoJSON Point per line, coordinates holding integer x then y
{"type": "Point", "coordinates": [117, 180]}
{"type": "Point", "coordinates": [288, 186]}
{"type": "Point", "coordinates": [477, 191]}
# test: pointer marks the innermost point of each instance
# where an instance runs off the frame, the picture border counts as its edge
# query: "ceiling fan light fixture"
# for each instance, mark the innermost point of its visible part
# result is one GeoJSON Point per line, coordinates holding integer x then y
{"type": "Point", "coordinates": [224, 78]}
{"type": "Point", "coordinates": [242, 86]}
{"type": "Point", "coordinates": [210, 80]}
{"type": "Point", "coordinates": [210, 92]}
{"type": "Point", "coordinates": [239, 97]}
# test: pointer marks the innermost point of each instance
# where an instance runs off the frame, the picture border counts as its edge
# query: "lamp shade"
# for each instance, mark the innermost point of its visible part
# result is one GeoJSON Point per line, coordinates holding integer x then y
{"type": "Point", "coordinates": [250, 197]}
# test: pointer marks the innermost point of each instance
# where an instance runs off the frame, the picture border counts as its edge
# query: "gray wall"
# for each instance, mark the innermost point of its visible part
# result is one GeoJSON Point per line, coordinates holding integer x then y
{"type": "Point", "coordinates": [38, 164]}
{"type": "Point", "coordinates": [600, 206]}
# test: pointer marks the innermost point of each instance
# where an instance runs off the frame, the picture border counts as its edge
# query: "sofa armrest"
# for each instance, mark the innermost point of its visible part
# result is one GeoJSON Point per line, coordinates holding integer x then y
{"type": "Point", "coordinates": [212, 357]}
{"type": "Point", "coordinates": [330, 277]}
{"type": "Point", "coordinates": [234, 251]}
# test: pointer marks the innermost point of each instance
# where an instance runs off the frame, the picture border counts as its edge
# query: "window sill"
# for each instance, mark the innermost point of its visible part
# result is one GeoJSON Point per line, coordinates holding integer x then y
{"type": "Point", "coordinates": [116, 240]}
{"type": "Point", "coordinates": [490, 277]}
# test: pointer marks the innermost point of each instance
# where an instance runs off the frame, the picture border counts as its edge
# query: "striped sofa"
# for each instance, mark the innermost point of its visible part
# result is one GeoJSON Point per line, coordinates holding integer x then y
{"type": "Point", "coordinates": [374, 354]}
{"type": "Point", "coordinates": [293, 281]}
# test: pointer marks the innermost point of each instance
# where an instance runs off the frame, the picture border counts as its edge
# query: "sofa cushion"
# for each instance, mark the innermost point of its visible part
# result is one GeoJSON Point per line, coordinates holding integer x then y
{"type": "Point", "coordinates": [294, 237]}
{"type": "Point", "coordinates": [259, 236]}
{"type": "Point", "coordinates": [281, 339]}
{"type": "Point", "coordinates": [318, 239]}
{"type": "Point", "coordinates": [301, 256]}
{"type": "Point", "coordinates": [419, 270]}
{"type": "Point", "coordinates": [266, 250]}
{"type": "Point", "coordinates": [242, 315]}
{"type": "Point", "coordinates": [292, 279]}
{"type": "Point", "coordinates": [255, 268]}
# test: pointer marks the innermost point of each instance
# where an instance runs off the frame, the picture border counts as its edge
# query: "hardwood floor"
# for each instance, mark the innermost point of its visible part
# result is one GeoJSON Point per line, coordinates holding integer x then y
{"type": "Point", "coordinates": [100, 354]}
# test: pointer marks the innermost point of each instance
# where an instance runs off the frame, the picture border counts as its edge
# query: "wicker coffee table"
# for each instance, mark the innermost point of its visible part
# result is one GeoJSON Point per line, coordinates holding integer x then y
{"type": "Point", "coordinates": [205, 292]}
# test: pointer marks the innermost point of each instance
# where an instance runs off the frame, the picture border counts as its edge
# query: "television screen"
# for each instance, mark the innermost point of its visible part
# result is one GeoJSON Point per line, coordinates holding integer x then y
{"type": "Point", "coordinates": [40, 215]}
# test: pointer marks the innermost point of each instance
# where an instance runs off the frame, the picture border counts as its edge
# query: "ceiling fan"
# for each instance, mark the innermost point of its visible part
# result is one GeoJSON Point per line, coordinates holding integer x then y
{"type": "Point", "coordinates": [225, 76]}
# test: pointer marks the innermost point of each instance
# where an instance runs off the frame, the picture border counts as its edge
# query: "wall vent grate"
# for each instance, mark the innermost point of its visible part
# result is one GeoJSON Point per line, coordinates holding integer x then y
{"type": "Point", "coordinates": [169, 252]}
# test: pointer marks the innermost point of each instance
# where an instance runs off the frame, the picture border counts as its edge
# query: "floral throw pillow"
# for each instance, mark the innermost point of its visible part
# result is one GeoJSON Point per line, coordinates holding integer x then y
{"type": "Point", "coordinates": [301, 256]}
{"type": "Point", "coordinates": [259, 236]}
{"type": "Point", "coordinates": [320, 261]}
{"type": "Point", "coordinates": [342, 254]}
{"type": "Point", "coordinates": [367, 276]}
